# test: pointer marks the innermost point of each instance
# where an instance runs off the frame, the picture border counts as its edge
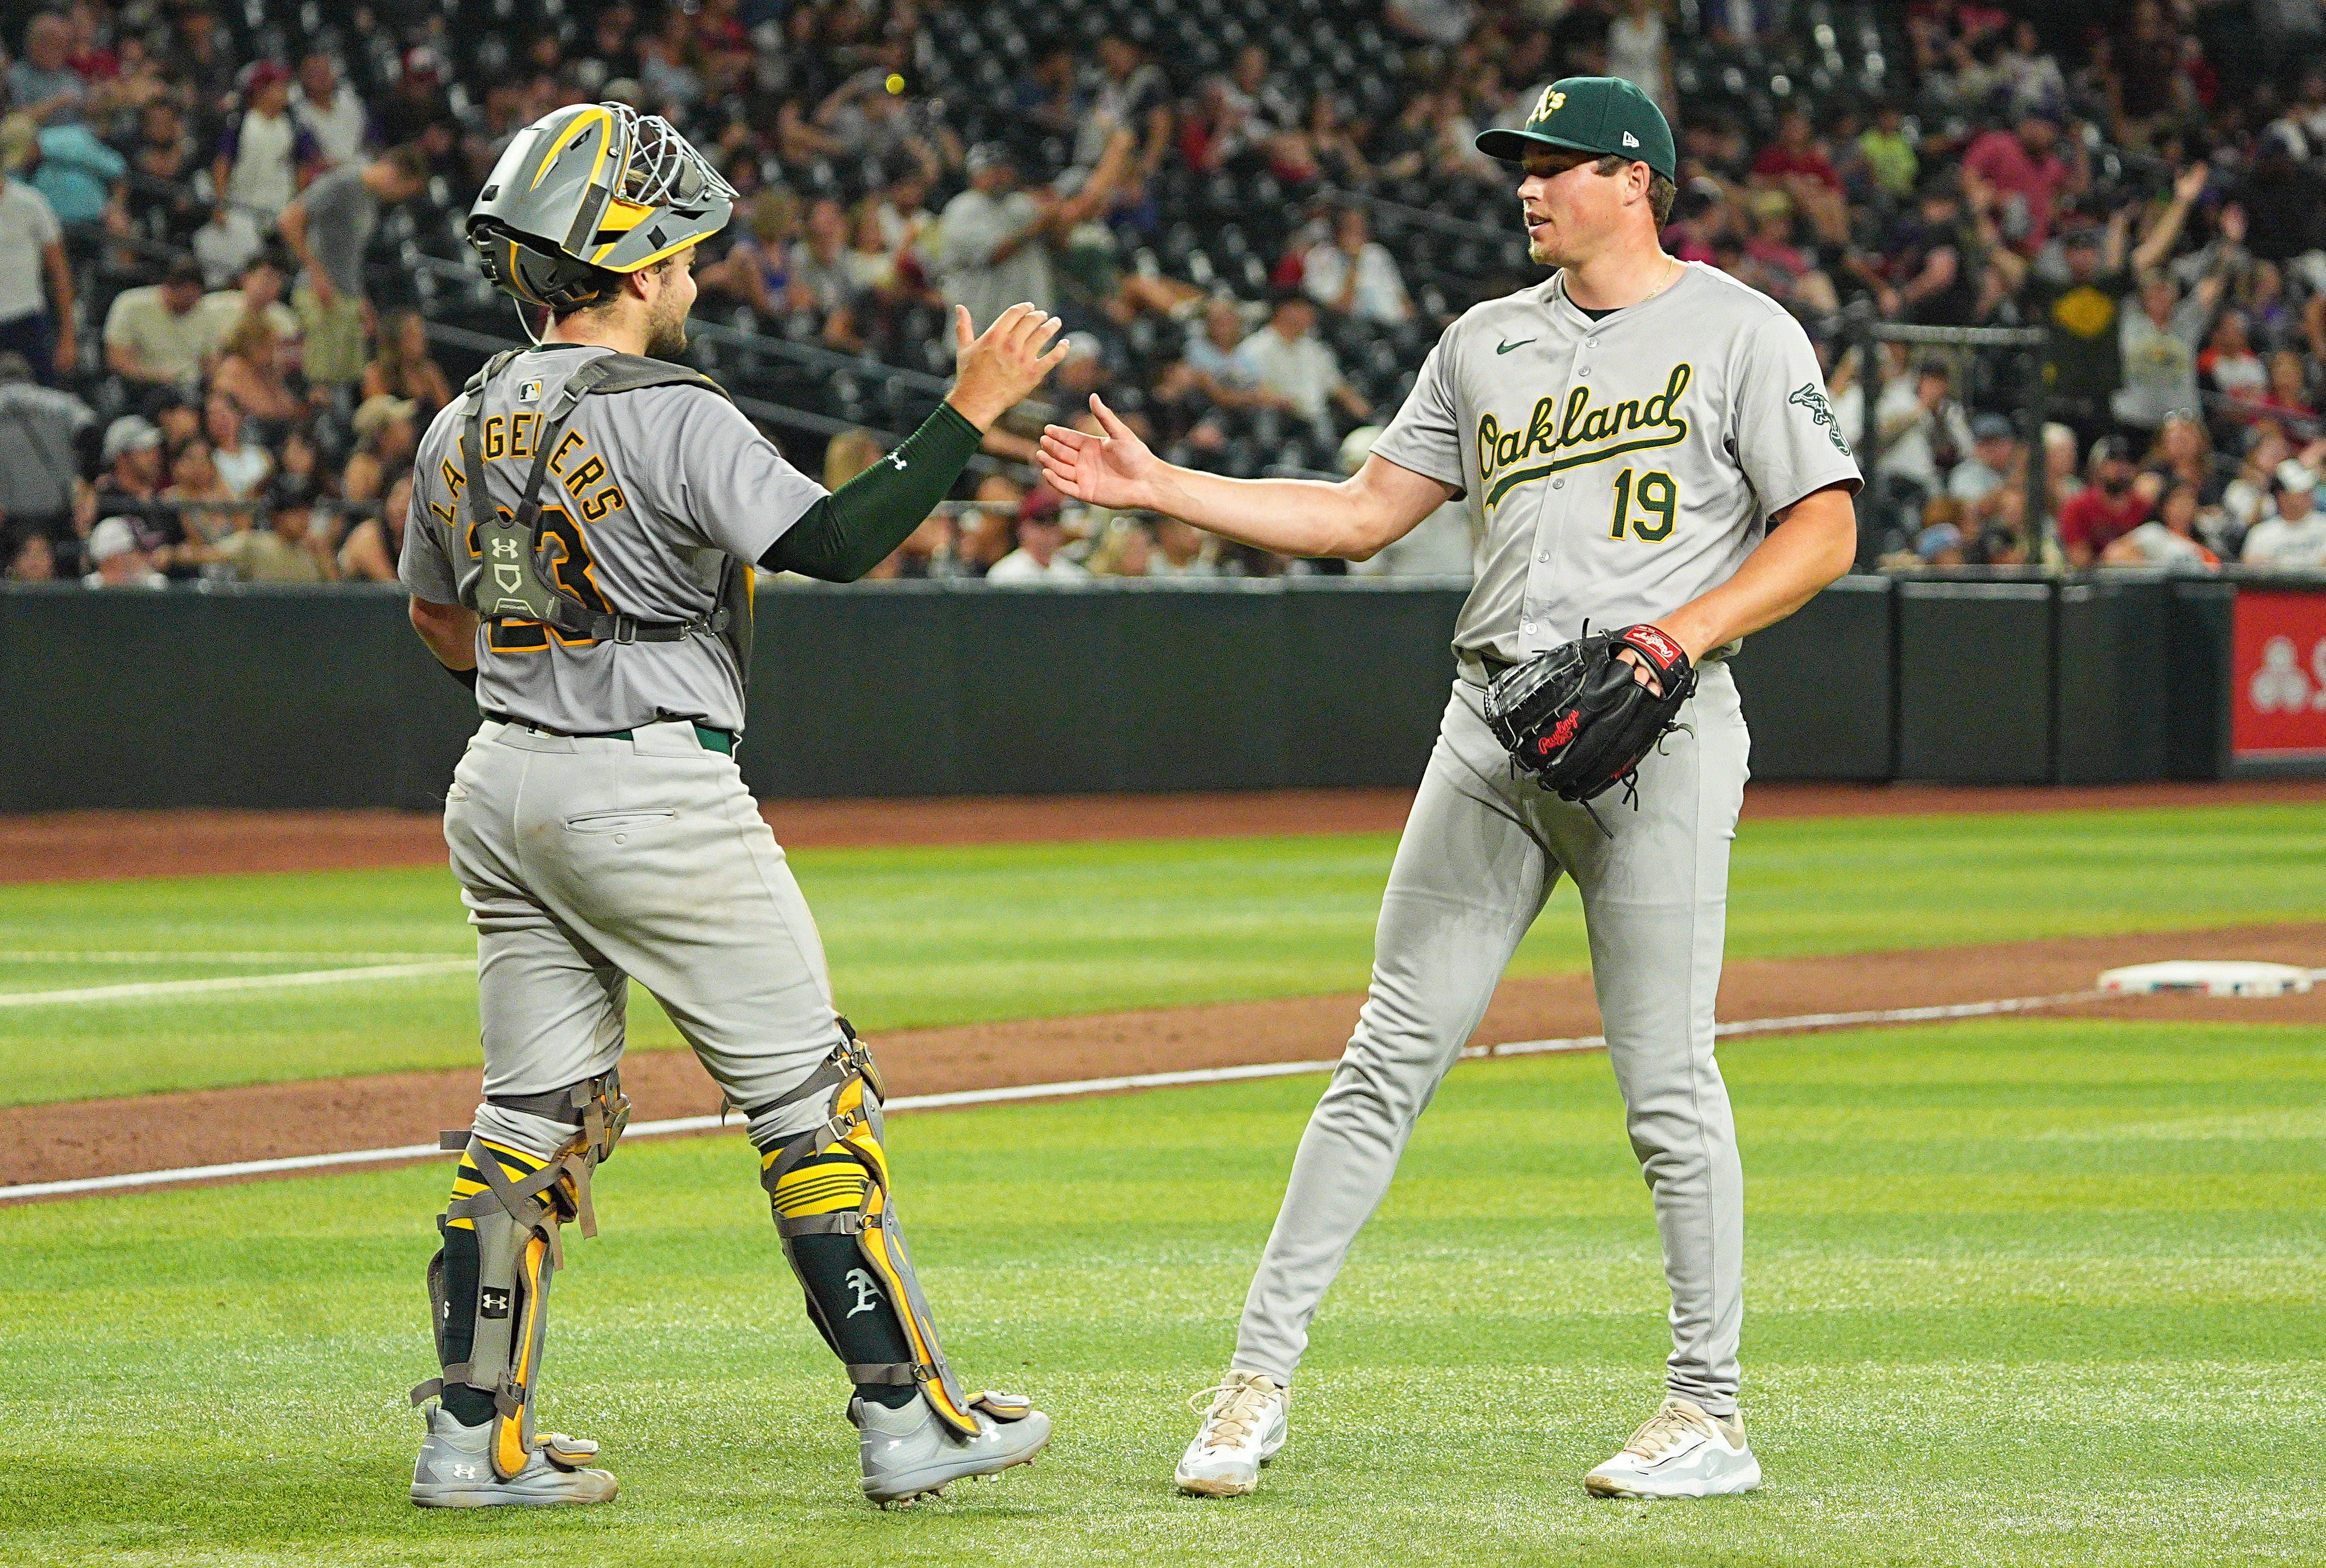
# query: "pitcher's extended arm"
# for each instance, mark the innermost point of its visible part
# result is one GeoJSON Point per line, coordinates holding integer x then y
{"type": "Point", "coordinates": [1353, 519]}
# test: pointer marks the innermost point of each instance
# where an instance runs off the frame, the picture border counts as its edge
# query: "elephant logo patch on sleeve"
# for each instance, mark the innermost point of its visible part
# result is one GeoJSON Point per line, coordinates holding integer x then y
{"type": "Point", "coordinates": [1809, 395]}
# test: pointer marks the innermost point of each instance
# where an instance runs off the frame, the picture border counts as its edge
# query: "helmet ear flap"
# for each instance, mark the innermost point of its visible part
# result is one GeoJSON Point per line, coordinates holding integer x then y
{"type": "Point", "coordinates": [536, 276]}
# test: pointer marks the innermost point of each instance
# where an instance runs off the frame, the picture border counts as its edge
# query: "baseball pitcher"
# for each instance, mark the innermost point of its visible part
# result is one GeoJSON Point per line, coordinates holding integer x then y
{"type": "Point", "coordinates": [584, 524]}
{"type": "Point", "coordinates": [1629, 436]}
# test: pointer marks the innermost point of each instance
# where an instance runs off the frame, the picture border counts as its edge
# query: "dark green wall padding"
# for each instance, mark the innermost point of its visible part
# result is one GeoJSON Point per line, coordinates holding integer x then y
{"type": "Point", "coordinates": [322, 697]}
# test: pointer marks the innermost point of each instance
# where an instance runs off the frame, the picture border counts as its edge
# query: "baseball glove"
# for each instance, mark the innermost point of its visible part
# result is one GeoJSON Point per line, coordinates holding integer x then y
{"type": "Point", "coordinates": [1578, 718]}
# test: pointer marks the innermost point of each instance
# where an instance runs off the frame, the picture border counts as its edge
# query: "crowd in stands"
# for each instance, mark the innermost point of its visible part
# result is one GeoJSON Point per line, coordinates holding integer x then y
{"type": "Point", "coordinates": [219, 337]}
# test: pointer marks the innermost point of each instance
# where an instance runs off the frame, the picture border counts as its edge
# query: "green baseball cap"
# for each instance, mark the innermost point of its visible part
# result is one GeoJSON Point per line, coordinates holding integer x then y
{"type": "Point", "coordinates": [1591, 114]}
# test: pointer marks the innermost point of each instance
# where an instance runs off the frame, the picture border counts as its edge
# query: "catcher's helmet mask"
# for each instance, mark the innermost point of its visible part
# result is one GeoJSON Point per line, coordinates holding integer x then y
{"type": "Point", "coordinates": [588, 193]}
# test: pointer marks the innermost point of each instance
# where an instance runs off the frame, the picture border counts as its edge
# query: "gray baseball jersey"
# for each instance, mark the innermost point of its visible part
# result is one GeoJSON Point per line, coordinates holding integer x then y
{"type": "Point", "coordinates": [649, 491]}
{"type": "Point", "coordinates": [1616, 468]}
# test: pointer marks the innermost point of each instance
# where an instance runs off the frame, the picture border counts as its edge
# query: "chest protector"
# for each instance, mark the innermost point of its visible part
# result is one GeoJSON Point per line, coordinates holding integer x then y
{"type": "Point", "coordinates": [519, 579]}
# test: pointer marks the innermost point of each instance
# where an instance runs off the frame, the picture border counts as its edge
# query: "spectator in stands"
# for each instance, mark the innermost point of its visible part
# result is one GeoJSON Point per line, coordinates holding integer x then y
{"type": "Point", "coordinates": [995, 240]}
{"type": "Point", "coordinates": [39, 426]}
{"type": "Point", "coordinates": [1797, 165]}
{"type": "Point", "coordinates": [163, 334]}
{"type": "Point", "coordinates": [1889, 158]}
{"type": "Point", "coordinates": [2227, 363]}
{"type": "Point", "coordinates": [36, 284]}
{"type": "Point", "coordinates": [1994, 462]}
{"type": "Point", "coordinates": [1286, 358]}
{"type": "Point", "coordinates": [43, 84]}
{"type": "Point", "coordinates": [1939, 542]}
{"type": "Point", "coordinates": [267, 155]}
{"type": "Point", "coordinates": [287, 548]}
{"type": "Point", "coordinates": [822, 286]}
{"type": "Point", "coordinates": [2084, 361]}
{"type": "Point", "coordinates": [757, 267]}
{"type": "Point", "coordinates": [330, 110]}
{"type": "Point", "coordinates": [1040, 535]}
{"type": "Point", "coordinates": [328, 228]}
{"type": "Point", "coordinates": [116, 559]}
{"type": "Point", "coordinates": [1182, 550]}
{"type": "Point", "coordinates": [384, 441]}
{"type": "Point", "coordinates": [1132, 96]}
{"type": "Point", "coordinates": [242, 467]}
{"type": "Point", "coordinates": [204, 505]}
{"type": "Point", "coordinates": [2158, 344]}
{"type": "Point", "coordinates": [252, 373]}
{"type": "Point", "coordinates": [30, 558]}
{"type": "Point", "coordinates": [1353, 275]}
{"type": "Point", "coordinates": [2108, 508]}
{"type": "Point", "coordinates": [225, 243]}
{"type": "Point", "coordinates": [375, 545]}
{"type": "Point", "coordinates": [1924, 428]}
{"type": "Point", "coordinates": [1125, 548]}
{"type": "Point", "coordinates": [162, 204]}
{"type": "Point", "coordinates": [2294, 539]}
{"type": "Point", "coordinates": [2169, 539]}
{"type": "Point", "coordinates": [2183, 455]}
{"type": "Point", "coordinates": [2026, 169]}
{"type": "Point", "coordinates": [403, 367]}
{"type": "Point", "coordinates": [82, 177]}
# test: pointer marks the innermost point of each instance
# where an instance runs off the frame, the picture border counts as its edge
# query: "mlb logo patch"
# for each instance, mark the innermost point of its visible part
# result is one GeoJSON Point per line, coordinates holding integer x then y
{"type": "Point", "coordinates": [529, 393]}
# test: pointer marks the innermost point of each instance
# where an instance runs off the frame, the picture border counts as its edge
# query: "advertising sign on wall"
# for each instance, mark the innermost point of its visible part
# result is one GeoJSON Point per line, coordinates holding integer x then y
{"type": "Point", "coordinates": [2278, 692]}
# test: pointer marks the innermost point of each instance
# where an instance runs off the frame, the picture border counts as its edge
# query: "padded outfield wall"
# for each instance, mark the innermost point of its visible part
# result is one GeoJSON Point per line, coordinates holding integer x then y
{"type": "Point", "coordinates": [296, 697]}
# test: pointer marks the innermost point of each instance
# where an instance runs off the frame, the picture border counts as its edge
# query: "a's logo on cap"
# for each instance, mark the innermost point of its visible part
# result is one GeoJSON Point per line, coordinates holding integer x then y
{"type": "Point", "coordinates": [1550, 104]}
{"type": "Point", "coordinates": [1630, 140]}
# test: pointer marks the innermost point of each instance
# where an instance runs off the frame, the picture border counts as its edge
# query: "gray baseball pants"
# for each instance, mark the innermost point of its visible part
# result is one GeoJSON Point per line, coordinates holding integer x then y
{"type": "Point", "coordinates": [586, 862]}
{"type": "Point", "coordinates": [1480, 852]}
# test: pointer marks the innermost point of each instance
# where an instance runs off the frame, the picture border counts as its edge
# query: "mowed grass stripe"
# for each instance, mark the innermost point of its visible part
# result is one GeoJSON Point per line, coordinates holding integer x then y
{"type": "Point", "coordinates": [2009, 1303]}
{"type": "Point", "coordinates": [926, 937]}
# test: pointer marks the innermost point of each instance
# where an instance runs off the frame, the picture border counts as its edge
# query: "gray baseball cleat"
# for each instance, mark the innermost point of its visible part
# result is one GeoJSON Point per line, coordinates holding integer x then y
{"type": "Point", "coordinates": [909, 1453]}
{"type": "Point", "coordinates": [455, 1469]}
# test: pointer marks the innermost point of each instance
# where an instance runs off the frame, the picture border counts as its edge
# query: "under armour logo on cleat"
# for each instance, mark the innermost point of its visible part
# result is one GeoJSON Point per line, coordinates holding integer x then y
{"type": "Point", "coordinates": [867, 1294]}
{"type": "Point", "coordinates": [465, 1471]}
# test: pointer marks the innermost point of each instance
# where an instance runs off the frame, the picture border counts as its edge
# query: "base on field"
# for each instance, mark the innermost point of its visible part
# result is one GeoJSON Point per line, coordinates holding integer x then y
{"type": "Point", "coordinates": [2211, 978]}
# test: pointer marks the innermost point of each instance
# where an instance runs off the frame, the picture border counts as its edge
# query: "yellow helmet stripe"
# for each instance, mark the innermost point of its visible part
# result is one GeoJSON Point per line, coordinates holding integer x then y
{"type": "Point", "coordinates": [590, 115]}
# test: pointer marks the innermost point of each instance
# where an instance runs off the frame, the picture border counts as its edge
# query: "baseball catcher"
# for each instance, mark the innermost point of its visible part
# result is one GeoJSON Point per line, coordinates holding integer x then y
{"type": "Point", "coordinates": [585, 522]}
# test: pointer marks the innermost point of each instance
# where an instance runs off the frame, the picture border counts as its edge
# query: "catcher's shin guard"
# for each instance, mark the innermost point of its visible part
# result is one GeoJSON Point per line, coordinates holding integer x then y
{"type": "Point", "coordinates": [812, 1197]}
{"type": "Point", "coordinates": [488, 1284]}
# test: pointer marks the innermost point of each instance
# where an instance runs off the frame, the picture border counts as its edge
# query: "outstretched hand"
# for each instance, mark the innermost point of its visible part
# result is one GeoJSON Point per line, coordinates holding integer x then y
{"type": "Point", "coordinates": [1115, 470]}
{"type": "Point", "coordinates": [996, 371]}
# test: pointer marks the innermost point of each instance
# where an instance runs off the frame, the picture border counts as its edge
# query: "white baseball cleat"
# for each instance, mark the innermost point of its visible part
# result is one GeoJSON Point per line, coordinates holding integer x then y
{"type": "Point", "coordinates": [1680, 1452]}
{"type": "Point", "coordinates": [455, 1469]}
{"type": "Point", "coordinates": [1247, 1421]}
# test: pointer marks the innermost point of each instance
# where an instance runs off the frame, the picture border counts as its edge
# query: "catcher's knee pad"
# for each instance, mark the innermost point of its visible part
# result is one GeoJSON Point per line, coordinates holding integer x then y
{"type": "Point", "coordinates": [488, 1283]}
{"type": "Point", "coordinates": [814, 1194]}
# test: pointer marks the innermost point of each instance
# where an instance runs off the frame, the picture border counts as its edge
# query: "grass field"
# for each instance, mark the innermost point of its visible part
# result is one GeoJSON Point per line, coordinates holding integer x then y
{"type": "Point", "coordinates": [2025, 1293]}
{"type": "Point", "coordinates": [933, 936]}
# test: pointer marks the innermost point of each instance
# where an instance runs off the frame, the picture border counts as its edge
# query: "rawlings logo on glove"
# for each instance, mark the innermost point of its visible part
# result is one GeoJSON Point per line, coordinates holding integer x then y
{"type": "Point", "coordinates": [1577, 720]}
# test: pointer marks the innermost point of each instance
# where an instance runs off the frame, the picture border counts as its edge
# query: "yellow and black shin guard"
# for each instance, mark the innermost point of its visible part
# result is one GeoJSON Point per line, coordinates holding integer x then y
{"type": "Point", "coordinates": [488, 1283]}
{"type": "Point", "coordinates": [833, 1181]}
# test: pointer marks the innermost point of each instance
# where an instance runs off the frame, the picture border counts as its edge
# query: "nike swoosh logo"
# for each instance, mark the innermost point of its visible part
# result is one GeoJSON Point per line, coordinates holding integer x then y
{"type": "Point", "coordinates": [1506, 348]}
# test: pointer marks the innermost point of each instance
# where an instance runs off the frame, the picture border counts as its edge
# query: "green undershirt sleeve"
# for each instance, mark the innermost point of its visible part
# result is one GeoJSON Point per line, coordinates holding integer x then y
{"type": "Point", "coordinates": [859, 525]}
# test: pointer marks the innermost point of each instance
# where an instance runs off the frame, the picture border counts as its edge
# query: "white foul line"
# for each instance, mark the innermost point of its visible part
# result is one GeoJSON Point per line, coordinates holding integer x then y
{"type": "Point", "coordinates": [1073, 1087]}
{"type": "Point", "coordinates": [203, 955]}
{"type": "Point", "coordinates": [226, 983]}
